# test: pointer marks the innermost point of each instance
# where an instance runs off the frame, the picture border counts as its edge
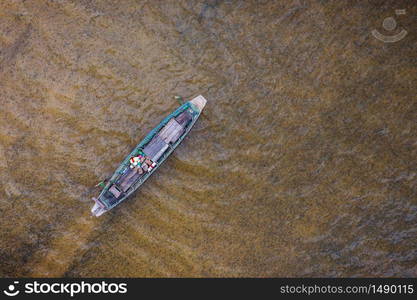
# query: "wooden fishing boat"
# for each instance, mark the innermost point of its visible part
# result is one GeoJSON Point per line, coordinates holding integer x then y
{"type": "Point", "coordinates": [148, 155]}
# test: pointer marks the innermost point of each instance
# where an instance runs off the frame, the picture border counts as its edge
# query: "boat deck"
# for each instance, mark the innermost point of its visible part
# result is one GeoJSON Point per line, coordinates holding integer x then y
{"type": "Point", "coordinates": [156, 147]}
{"type": "Point", "coordinates": [162, 140]}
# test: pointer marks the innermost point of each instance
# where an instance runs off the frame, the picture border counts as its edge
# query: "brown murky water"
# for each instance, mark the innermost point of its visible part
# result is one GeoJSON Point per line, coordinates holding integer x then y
{"type": "Point", "coordinates": [303, 163]}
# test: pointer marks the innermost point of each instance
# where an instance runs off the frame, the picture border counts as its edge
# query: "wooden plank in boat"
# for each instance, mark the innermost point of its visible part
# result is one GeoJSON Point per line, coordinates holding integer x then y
{"type": "Point", "coordinates": [153, 146]}
{"type": "Point", "coordinates": [171, 131]}
{"type": "Point", "coordinates": [115, 191]}
{"type": "Point", "coordinates": [184, 118]}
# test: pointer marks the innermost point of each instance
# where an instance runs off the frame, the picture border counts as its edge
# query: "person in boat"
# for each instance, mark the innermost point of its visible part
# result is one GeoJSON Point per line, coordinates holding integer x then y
{"type": "Point", "coordinates": [136, 161]}
{"type": "Point", "coordinates": [140, 161]}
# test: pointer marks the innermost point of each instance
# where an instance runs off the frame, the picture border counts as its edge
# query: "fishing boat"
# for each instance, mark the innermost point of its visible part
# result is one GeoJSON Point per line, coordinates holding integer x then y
{"type": "Point", "coordinates": [148, 155]}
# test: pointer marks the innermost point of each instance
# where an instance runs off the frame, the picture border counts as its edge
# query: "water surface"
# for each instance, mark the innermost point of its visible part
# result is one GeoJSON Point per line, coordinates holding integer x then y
{"type": "Point", "coordinates": [302, 164]}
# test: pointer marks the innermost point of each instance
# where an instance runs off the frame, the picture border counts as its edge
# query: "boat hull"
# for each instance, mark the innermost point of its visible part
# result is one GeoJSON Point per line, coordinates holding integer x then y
{"type": "Point", "coordinates": [195, 105]}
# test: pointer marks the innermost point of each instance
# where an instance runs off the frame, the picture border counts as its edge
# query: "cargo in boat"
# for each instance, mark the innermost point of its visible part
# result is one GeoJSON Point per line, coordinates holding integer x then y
{"type": "Point", "coordinates": [148, 155]}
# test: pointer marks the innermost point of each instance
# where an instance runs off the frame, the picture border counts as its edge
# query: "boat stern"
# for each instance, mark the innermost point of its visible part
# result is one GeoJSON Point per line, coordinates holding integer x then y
{"type": "Point", "coordinates": [199, 102]}
{"type": "Point", "coordinates": [97, 209]}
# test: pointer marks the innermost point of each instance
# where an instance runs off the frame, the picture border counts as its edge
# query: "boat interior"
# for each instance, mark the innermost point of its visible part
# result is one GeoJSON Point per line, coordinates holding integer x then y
{"type": "Point", "coordinates": [149, 156]}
